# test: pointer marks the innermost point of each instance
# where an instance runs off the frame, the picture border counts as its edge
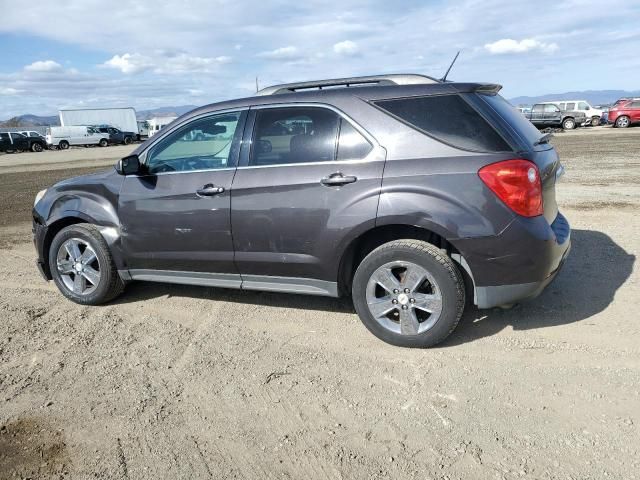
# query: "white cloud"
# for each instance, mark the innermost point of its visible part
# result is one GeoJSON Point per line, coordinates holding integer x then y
{"type": "Point", "coordinates": [129, 63]}
{"type": "Point", "coordinates": [282, 53]}
{"type": "Point", "coordinates": [508, 45]}
{"type": "Point", "coordinates": [44, 66]}
{"type": "Point", "coordinates": [9, 91]}
{"type": "Point", "coordinates": [164, 63]}
{"type": "Point", "coordinates": [347, 48]}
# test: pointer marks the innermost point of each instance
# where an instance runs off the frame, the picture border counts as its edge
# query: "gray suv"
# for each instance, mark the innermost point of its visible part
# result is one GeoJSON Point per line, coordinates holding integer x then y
{"type": "Point", "coordinates": [411, 195]}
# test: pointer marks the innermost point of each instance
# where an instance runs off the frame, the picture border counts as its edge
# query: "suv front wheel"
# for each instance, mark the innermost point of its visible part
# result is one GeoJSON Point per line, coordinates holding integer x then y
{"type": "Point", "coordinates": [408, 293]}
{"type": "Point", "coordinates": [82, 267]}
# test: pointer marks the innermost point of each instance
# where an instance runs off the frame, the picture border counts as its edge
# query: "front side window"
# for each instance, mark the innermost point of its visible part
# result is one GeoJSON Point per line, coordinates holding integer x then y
{"type": "Point", "coordinates": [447, 118]}
{"type": "Point", "coordinates": [203, 144]}
{"type": "Point", "coordinates": [550, 108]}
{"type": "Point", "coordinates": [294, 135]}
{"type": "Point", "coordinates": [634, 105]}
{"type": "Point", "coordinates": [583, 106]}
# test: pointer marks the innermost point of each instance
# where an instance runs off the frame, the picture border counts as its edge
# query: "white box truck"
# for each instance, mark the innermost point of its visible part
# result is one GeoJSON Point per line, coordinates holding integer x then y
{"type": "Point", "coordinates": [121, 118]}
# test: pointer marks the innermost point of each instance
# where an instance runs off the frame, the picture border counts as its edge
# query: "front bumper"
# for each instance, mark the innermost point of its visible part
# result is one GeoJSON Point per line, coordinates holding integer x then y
{"type": "Point", "coordinates": [519, 263]}
{"type": "Point", "coordinates": [39, 234]}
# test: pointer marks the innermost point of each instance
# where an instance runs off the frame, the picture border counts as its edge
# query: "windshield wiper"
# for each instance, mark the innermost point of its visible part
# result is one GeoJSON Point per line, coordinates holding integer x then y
{"type": "Point", "coordinates": [543, 139]}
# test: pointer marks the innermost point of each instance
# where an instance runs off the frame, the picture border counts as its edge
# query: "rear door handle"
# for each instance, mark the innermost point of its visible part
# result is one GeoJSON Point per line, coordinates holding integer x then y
{"type": "Point", "coordinates": [337, 179]}
{"type": "Point", "coordinates": [209, 190]}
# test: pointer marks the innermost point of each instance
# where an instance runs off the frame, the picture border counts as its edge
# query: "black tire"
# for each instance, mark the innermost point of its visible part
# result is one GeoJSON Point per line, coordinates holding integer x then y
{"type": "Point", "coordinates": [63, 145]}
{"type": "Point", "coordinates": [622, 122]}
{"type": "Point", "coordinates": [127, 140]}
{"type": "Point", "coordinates": [568, 123]}
{"type": "Point", "coordinates": [434, 261]}
{"type": "Point", "coordinates": [103, 142]}
{"type": "Point", "coordinates": [595, 121]}
{"type": "Point", "coordinates": [36, 147]}
{"type": "Point", "coordinates": [110, 285]}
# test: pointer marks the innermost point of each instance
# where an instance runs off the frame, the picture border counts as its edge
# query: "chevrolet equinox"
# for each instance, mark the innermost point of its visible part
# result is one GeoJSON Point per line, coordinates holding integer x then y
{"type": "Point", "coordinates": [412, 195]}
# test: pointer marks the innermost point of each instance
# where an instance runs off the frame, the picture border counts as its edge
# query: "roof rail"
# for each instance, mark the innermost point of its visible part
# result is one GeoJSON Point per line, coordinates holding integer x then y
{"type": "Point", "coordinates": [393, 79]}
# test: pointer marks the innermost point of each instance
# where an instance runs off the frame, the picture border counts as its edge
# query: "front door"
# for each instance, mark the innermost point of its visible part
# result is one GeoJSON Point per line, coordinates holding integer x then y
{"type": "Point", "coordinates": [308, 181]}
{"type": "Point", "coordinates": [176, 216]}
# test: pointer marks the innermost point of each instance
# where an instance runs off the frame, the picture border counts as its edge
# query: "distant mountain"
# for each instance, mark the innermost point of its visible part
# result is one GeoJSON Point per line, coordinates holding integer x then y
{"type": "Point", "coordinates": [29, 120]}
{"type": "Point", "coordinates": [164, 112]}
{"type": "Point", "coordinates": [594, 97]}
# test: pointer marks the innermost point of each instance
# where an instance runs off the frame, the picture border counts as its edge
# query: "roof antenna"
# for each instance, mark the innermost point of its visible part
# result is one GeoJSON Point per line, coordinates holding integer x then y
{"type": "Point", "coordinates": [257, 88]}
{"type": "Point", "coordinates": [444, 79]}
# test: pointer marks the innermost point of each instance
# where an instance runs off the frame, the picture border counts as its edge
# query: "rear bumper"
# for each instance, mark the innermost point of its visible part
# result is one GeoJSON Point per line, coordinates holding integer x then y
{"type": "Point", "coordinates": [519, 263]}
{"type": "Point", "coordinates": [493, 296]}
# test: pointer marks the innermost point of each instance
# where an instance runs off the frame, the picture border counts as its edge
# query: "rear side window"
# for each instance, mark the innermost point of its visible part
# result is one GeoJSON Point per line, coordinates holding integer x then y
{"type": "Point", "coordinates": [513, 117]}
{"type": "Point", "coordinates": [447, 118]}
{"type": "Point", "coordinates": [351, 144]}
{"type": "Point", "coordinates": [571, 106]}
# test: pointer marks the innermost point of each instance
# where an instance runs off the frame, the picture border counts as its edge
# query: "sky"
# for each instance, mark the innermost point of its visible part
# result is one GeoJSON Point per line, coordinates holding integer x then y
{"type": "Point", "coordinates": [88, 53]}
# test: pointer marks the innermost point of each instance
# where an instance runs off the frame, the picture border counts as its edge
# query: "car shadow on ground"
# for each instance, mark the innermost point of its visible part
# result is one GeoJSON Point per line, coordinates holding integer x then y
{"type": "Point", "coordinates": [587, 284]}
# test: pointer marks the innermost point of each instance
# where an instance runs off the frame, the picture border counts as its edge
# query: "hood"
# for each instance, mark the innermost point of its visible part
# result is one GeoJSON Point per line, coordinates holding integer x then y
{"type": "Point", "coordinates": [101, 177]}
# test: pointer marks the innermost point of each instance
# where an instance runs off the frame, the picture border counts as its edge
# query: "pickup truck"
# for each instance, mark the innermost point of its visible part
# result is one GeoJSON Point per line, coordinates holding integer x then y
{"type": "Point", "coordinates": [544, 115]}
{"type": "Point", "coordinates": [16, 142]}
{"type": "Point", "coordinates": [116, 135]}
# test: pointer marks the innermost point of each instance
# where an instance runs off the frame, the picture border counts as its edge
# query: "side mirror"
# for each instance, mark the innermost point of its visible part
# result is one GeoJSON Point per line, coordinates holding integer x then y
{"type": "Point", "coordinates": [128, 165]}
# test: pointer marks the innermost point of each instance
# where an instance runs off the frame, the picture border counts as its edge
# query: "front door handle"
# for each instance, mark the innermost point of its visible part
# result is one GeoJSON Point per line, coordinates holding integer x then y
{"type": "Point", "coordinates": [209, 190]}
{"type": "Point", "coordinates": [337, 179]}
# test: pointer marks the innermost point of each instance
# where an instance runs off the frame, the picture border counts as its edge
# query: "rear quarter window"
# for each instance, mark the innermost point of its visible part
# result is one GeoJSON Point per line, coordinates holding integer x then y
{"type": "Point", "coordinates": [448, 118]}
{"type": "Point", "coordinates": [523, 127]}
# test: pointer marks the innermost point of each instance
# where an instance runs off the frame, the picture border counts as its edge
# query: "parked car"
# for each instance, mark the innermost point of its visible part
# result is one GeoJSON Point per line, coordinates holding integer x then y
{"type": "Point", "coordinates": [117, 136]}
{"type": "Point", "coordinates": [625, 113]}
{"type": "Point", "coordinates": [64, 137]}
{"type": "Point", "coordinates": [544, 115]}
{"type": "Point", "coordinates": [17, 142]}
{"type": "Point", "coordinates": [407, 193]}
{"type": "Point", "coordinates": [32, 134]}
{"type": "Point", "coordinates": [592, 114]}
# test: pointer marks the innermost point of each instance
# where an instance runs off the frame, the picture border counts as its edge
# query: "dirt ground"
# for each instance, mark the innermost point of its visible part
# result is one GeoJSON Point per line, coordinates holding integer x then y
{"type": "Point", "coordinates": [187, 382]}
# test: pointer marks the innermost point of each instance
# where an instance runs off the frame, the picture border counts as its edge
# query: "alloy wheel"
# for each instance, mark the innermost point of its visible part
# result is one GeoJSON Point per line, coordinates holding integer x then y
{"type": "Point", "coordinates": [78, 266]}
{"type": "Point", "coordinates": [404, 298]}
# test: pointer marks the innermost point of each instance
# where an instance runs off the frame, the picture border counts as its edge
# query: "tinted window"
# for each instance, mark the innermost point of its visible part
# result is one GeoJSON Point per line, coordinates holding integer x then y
{"type": "Point", "coordinates": [204, 144]}
{"type": "Point", "coordinates": [18, 135]}
{"type": "Point", "coordinates": [4, 136]}
{"type": "Point", "coordinates": [447, 118]}
{"type": "Point", "coordinates": [571, 106]}
{"type": "Point", "coordinates": [518, 122]}
{"type": "Point", "coordinates": [294, 135]}
{"type": "Point", "coordinates": [351, 144]}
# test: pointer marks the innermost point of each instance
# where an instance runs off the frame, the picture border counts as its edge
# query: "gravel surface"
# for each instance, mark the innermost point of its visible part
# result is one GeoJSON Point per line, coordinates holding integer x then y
{"type": "Point", "coordinates": [188, 382]}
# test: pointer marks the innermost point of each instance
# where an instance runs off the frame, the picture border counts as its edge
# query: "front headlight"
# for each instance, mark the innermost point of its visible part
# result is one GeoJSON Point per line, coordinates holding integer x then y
{"type": "Point", "coordinates": [39, 196]}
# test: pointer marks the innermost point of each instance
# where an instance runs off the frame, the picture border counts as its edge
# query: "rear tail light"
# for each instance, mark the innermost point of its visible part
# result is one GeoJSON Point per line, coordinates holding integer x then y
{"type": "Point", "coordinates": [517, 183]}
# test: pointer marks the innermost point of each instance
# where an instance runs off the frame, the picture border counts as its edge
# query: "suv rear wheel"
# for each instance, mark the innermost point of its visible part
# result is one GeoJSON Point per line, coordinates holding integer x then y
{"type": "Point", "coordinates": [568, 124]}
{"type": "Point", "coordinates": [408, 293]}
{"type": "Point", "coordinates": [82, 267]}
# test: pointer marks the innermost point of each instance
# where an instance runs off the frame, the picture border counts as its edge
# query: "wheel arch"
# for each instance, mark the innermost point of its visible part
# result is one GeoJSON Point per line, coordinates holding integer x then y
{"type": "Point", "coordinates": [371, 239]}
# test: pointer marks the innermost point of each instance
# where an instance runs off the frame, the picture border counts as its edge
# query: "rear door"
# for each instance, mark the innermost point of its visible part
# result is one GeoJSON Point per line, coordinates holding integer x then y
{"type": "Point", "coordinates": [176, 216]}
{"type": "Point", "coordinates": [537, 114]}
{"type": "Point", "coordinates": [309, 178]}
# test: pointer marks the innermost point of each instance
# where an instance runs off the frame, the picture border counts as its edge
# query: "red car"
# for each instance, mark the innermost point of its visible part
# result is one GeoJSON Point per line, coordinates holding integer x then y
{"type": "Point", "coordinates": [625, 112]}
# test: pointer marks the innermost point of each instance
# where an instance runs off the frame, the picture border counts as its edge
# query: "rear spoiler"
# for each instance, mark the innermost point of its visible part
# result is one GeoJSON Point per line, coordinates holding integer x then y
{"type": "Point", "coordinates": [488, 88]}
